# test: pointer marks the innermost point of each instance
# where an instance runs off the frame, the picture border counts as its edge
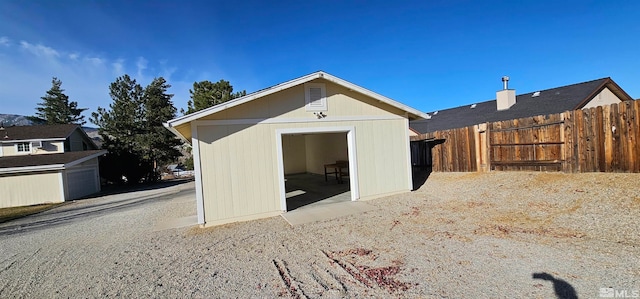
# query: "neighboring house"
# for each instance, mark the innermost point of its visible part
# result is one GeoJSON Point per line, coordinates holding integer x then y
{"type": "Point", "coordinates": [508, 106]}
{"type": "Point", "coordinates": [46, 164]}
{"type": "Point", "coordinates": [243, 148]}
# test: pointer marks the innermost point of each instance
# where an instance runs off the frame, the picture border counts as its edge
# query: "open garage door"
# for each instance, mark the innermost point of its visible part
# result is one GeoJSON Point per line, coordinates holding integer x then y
{"type": "Point", "coordinates": [82, 183]}
{"type": "Point", "coordinates": [316, 167]}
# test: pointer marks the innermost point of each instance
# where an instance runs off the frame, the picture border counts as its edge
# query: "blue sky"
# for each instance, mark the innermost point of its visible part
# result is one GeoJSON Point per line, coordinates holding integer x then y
{"type": "Point", "coordinates": [430, 55]}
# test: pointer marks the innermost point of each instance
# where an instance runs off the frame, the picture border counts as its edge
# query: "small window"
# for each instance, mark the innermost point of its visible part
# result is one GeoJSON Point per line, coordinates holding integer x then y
{"type": "Point", "coordinates": [24, 147]}
{"type": "Point", "coordinates": [315, 96]}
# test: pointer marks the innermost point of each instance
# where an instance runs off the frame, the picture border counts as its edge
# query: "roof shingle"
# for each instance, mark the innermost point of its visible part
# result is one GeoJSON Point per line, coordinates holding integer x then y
{"type": "Point", "coordinates": [550, 101]}
{"type": "Point", "coordinates": [45, 159]}
{"type": "Point", "coordinates": [15, 133]}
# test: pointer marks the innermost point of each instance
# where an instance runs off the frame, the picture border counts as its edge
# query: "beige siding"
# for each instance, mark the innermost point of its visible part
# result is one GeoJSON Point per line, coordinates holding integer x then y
{"type": "Point", "coordinates": [290, 103]}
{"type": "Point", "coordinates": [48, 147]}
{"type": "Point", "coordinates": [79, 142]}
{"type": "Point", "coordinates": [294, 154]}
{"type": "Point", "coordinates": [239, 164]}
{"type": "Point", "coordinates": [239, 177]}
{"type": "Point", "coordinates": [30, 189]}
{"type": "Point", "coordinates": [605, 97]}
{"type": "Point", "coordinates": [10, 149]}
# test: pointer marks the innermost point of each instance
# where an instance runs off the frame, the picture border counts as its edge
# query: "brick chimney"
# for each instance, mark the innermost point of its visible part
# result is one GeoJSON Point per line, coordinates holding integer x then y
{"type": "Point", "coordinates": [506, 97]}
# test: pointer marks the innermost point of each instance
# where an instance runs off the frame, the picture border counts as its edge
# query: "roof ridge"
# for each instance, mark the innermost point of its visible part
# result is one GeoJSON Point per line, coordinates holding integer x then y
{"type": "Point", "coordinates": [526, 93]}
{"type": "Point", "coordinates": [565, 86]}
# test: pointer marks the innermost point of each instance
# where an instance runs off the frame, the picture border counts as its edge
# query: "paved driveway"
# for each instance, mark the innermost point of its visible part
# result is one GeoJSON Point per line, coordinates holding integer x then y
{"type": "Point", "coordinates": [76, 212]}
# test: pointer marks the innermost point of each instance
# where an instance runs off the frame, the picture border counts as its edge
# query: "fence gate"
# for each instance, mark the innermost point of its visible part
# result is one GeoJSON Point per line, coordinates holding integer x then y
{"type": "Point", "coordinates": [534, 143]}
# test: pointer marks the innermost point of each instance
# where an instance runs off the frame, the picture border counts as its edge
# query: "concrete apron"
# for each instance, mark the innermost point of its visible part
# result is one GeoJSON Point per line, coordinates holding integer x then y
{"type": "Point", "coordinates": [325, 211]}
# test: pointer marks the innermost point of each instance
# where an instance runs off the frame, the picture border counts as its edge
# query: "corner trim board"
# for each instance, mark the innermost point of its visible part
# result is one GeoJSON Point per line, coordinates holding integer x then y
{"type": "Point", "coordinates": [198, 172]}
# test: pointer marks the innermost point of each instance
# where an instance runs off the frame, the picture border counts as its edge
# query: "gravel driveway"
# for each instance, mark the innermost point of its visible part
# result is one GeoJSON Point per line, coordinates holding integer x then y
{"type": "Point", "coordinates": [461, 235]}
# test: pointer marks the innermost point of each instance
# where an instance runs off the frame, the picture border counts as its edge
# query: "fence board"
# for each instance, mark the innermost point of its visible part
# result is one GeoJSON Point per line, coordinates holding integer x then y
{"type": "Point", "coordinates": [590, 140]}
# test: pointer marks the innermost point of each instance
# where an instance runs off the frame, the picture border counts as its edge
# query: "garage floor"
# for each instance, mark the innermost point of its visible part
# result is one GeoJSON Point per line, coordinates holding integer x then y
{"type": "Point", "coordinates": [304, 190]}
{"type": "Point", "coordinates": [311, 199]}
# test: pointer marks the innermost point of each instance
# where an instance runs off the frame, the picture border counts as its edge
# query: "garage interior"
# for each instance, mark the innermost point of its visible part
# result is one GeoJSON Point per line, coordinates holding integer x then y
{"type": "Point", "coordinates": [307, 181]}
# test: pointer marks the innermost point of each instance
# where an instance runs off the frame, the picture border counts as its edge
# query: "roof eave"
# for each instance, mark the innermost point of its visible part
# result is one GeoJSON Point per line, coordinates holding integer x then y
{"type": "Point", "coordinates": [30, 140]}
{"type": "Point", "coordinates": [87, 158]}
{"type": "Point", "coordinates": [24, 169]}
{"type": "Point", "coordinates": [173, 130]}
{"type": "Point", "coordinates": [613, 87]}
{"type": "Point", "coordinates": [414, 113]}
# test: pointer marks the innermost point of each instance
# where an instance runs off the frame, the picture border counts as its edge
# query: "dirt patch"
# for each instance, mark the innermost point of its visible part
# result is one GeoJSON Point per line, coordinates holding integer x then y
{"type": "Point", "coordinates": [7, 214]}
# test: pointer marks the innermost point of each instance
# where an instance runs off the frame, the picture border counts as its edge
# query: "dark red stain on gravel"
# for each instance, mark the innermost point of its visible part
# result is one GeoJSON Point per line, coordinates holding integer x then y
{"type": "Point", "coordinates": [370, 277]}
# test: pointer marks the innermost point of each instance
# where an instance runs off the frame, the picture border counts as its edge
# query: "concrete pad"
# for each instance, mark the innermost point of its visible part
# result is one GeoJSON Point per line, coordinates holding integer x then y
{"type": "Point", "coordinates": [321, 212]}
{"type": "Point", "coordinates": [177, 223]}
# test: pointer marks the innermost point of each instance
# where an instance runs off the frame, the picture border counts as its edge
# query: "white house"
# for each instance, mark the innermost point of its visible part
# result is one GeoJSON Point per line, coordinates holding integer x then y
{"type": "Point", "coordinates": [46, 164]}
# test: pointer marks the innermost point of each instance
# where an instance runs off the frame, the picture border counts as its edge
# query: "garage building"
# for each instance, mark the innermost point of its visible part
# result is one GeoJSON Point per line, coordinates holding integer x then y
{"type": "Point", "coordinates": [245, 148]}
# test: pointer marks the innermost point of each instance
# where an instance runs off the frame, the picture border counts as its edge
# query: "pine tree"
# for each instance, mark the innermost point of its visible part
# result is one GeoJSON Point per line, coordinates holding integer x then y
{"type": "Point", "coordinates": [133, 132]}
{"type": "Point", "coordinates": [161, 144]}
{"type": "Point", "coordinates": [122, 128]}
{"type": "Point", "coordinates": [56, 108]}
{"type": "Point", "coordinates": [206, 94]}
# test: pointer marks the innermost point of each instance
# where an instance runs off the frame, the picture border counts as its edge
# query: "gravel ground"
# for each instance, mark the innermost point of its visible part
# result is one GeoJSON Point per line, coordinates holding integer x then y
{"type": "Point", "coordinates": [461, 235]}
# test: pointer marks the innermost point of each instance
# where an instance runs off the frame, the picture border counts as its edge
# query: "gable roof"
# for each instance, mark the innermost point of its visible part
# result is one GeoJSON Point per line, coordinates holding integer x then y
{"type": "Point", "coordinates": [550, 101]}
{"type": "Point", "coordinates": [29, 163]}
{"type": "Point", "coordinates": [413, 113]}
{"type": "Point", "coordinates": [36, 132]}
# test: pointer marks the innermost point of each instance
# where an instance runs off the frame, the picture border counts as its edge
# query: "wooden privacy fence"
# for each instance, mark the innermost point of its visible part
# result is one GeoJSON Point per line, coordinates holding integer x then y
{"type": "Point", "coordinates": [601, 139]}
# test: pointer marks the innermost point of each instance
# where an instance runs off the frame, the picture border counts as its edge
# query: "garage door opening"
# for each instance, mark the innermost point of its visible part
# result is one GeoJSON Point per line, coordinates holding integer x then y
{"type": "Point", "coordinates": [315, 169]}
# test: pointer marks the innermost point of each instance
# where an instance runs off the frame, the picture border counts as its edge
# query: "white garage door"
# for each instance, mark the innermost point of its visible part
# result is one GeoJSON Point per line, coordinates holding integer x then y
{"type": "Point", "coordinates": [81, 183]}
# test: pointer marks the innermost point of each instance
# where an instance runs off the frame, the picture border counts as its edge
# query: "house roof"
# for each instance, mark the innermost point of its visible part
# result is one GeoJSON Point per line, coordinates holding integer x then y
{"type": "Point", "coordinates": [28, 163]}
{"type": "Point", "coordinates": [38, 132]}
{"type": "Point", "coordinates": [549, 101]}
{"type": "Point", "coordinates": [413, 113]}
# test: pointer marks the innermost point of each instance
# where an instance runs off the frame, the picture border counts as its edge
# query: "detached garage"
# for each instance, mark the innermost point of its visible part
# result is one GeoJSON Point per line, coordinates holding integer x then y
{"type": "Point", "coordinates": [51, 178]}
{"type": "Point", "coordinates": [246, 149]}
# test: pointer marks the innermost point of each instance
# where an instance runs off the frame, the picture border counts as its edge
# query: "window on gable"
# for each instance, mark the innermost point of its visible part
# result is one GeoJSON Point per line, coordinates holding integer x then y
{"type": "Point", "coordinates": [24, 147]}
{"type": "Point", "coordinates": [315, 96]}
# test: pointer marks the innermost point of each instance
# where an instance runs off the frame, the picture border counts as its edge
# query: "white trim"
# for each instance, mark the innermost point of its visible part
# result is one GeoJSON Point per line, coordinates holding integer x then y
{"type": "Point", "coordinates": [197, 172]}
{"type": "Point", "coordinates": [31, 168]}
{"type": "Point", "coordinates": [351, 148]}
{"type": "Point", "coordinates": [255, 121]}
{"type": "Point", "coordinates": [280, 158]}
{"type": "Point", "coordinates": [87, 158]}
{"type": "Point", "coordinates": [29, 140]}
{"type": "Point", "coordinates": [1, 150]}
{"type": "Point", "coordinates": [408, 145]}
{"type": "Point", "coordinates": [322, 99]}
{"type": "Point", "coordinates": [20, 153]}
{"type": "Point", "coordinates": [304, 79]}
{"type": "Point", "coordinates": [175, 132]}
{"type": "Point", "coordinates": [24, 169]}
{"type": "Point", "coordinates": [63, 190]}
{"type": "Point", "coordinates": [353, 165]}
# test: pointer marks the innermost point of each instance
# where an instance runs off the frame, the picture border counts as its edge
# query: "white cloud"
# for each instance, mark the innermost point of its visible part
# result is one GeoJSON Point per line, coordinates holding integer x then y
{"type": "Point", "coordinates": [141, 64]}
{"type": "Point", "coordinates": [118, 67]}
{"type": "Point", "coordinates": [40, 50]}
{"type": "Point", "coordinates": [85, 77]}
{"type": "Point", "coordinates": [4, 41]}
{"type": "Point", "coordinates": [95, 61]}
